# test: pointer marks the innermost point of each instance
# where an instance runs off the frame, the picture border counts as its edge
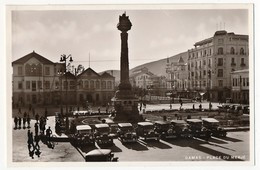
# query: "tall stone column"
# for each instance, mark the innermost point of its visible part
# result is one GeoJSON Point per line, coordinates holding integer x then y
{"type": "Point", "coordinates": [124, 25]}
{"type": "Point", "coordinates": [125, 103]}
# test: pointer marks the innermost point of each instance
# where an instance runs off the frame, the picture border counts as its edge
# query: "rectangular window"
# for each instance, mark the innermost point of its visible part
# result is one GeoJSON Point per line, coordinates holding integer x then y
{"type": "Point", "coordinates": [233, 82]}
{"type": "Point", "coordinates": [204, 62]}
{"type": "Point", "coordinates": [57, 84]}
{"type": "Point", "coordinates": [220, 61]}
{"type": "Point", "coordinates": [72, 84]}
{"type": "Point", "coordinates": [47, 85]}
{"type": "Point", "coordinates": [204, 83]}
{"type": "Point", "coordinates": [243, 62]}
{"type": "Point", "coordinates": [233, 60]}
{"type": "Point", "coordinates": [247, 81]}
{"type": "Point", "coordinates": [20, 70]}
{"type": "Point", "coordinates": [47, 71]}
{"type": "Point", "coordinates": [39, 84]}
{"type": "Point", "coordinates": [28, 84]}
{"type": "Point", "coordinates": [109, 85]}
{"type": "Point", "coordinates": [220, 72]}
{"type": "Point", "coordinates": [204, 72]}
{"type": "Point", "coordinates": [220, 83]}
{"type": "Point", "coordinates": [209, 64]}
{"type": "Point", "coordinates": [20, 85]}
{"type": "Point", "coordinates": [65, 85]}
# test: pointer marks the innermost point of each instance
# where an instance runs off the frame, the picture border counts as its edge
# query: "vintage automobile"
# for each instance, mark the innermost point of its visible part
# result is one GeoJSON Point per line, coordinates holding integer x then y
{"type": "Point", "coordinates": [126, 133]}
{"type": "Point", "coordinates": [213, 126]}
{"type": "Point", "coordinates": [102, 134]}
{"type": "Point", "coordinates": [84, 136]}
{"type": "Point", "coordinates": [145, 131]}
{"type": "Point", "coordinates": [100, 155]}
{"type": "Point", "coordinates": [197, 129]}
{"type": "Point", "coordinates": [181, 128]}
{"type": "Point", "coordinates": [165, 129]}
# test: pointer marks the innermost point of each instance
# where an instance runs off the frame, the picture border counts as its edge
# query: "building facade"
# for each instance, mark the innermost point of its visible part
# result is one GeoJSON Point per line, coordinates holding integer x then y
{"type": "Point", "coordinates": [39, 81]}
{"type": "Point", "coordinates": [211, 62]}
{"type": "Point", "coordinates": [240, 86]}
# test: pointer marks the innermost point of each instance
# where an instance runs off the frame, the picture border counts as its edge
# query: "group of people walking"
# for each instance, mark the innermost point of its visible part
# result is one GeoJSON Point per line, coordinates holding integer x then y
{"type": "Point", "coordinates": [22, 122]}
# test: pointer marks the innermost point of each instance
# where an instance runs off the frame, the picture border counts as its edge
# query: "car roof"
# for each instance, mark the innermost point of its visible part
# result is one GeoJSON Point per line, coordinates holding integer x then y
{"type": "Point", "coordinates": [80, 112]}
{"type": "Point", "coordinates": [83, 127]}
{"type": "Point", "coordinates": [162, 122]}
{"type": "Point", "coordinates": [194, 120]}
{"type": "Point", "coordinates": [212, 120]}
{"type": "Point", "coordinates": [98, 152]}
{"type": "Point", "coordinates": [178, 121]}
{"type": "Point", "coordinates": [125, 125]}
{"type": "Point", "coordinates": [145, 123]}
{"type": "Point", "coordinates": [101, 125]}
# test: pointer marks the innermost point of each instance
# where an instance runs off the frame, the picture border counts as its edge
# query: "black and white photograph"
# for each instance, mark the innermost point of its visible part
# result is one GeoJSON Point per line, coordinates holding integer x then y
{"type": "Point", "coordinates": [130, 83]}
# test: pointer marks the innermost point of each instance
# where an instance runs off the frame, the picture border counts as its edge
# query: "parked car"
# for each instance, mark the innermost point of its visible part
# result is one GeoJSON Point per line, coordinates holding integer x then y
{"type": "Point", "coordinates": [145, 130]}
{"type": "Point", "coordinates": [84, 136]}
{"type": "Point", "coordinates": [213, 126]}
{"type": "Point", "coordinates": [181, 128]}
{"type": "Point", "coordinates": [113, 128]}
{"type": "Point", "coordinates": [197, 129]}
{"type": "Point", "coordinates": [126, 132]}
{"type": "Point", "coordinates": [102, 134]}
{"type": "Point", "coordinates": [165, 129]}
{"type": "Point", "coordinates": [100, 155]}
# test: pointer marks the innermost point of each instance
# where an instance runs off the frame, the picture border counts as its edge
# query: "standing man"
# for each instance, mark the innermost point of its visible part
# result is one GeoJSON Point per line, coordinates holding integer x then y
{"type": "Point", "coordinates": [15, 122]}
{"type": "Point", "coordinates": [210, 106]}
{"type": "Point", "coordinates": [28, 122]}
{"type": "Point", "coordinates": [46, 113]}
{"type": "Point", "coordinates": [48, 133]}
{"type": "Point", "coordinates": [24, 122]}
{"type": "Point", "coordinates": [19, 122]}
{"type": "Point", "coordinates": [36, 128]}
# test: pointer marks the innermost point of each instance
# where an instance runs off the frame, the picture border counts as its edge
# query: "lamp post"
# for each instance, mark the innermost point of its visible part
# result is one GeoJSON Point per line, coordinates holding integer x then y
{"type": "Point", "coordinates": [64, 58]}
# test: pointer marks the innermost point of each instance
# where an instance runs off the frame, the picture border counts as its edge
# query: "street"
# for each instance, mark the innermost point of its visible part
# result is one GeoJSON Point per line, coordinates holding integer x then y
{"type": "Point", "coordinates": [233, 147]}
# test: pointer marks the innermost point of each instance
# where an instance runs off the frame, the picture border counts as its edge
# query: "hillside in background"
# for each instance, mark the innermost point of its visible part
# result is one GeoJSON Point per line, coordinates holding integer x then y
{"type": "Point", "coordinates": [156, 67]}
{"type": "Point", "coordinates": [159, 67]}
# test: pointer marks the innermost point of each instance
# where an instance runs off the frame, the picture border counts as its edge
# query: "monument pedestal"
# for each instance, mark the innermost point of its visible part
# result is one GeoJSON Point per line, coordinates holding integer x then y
{"type": "Point", "coordinates": [126, 107]}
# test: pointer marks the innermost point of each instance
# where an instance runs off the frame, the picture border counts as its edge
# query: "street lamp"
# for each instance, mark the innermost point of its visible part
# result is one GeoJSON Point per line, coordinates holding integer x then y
{"type": "Point", "coordinates": [64, 58]}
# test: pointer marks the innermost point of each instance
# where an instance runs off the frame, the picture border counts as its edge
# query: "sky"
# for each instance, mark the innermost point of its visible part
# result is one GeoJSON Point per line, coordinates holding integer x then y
{"type": "Point", "coordinates": [155, 34]}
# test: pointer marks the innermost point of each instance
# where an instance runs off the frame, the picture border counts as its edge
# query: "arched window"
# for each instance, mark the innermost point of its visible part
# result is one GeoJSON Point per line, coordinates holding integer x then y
{"type": "Point", "coordinates": [91, 84]}
{"type": "Point", "coordinates": [80, 84]}
{"type": "Point", "coordinates": [39, 70]}
{"type": "Point", "coordinates": [33, 70]}
{"type": "Point", "coordinates": [86, 84]}
{"type": "Point", "coordinates": [109, 85]}
{"type": "Point", "coordinates": [27, 70]}
{"type": "Point", "coordinates": [103, 85]}
{"type": "Point", "coordinates": [232, 50]}
{"type": "Point", "coordinates": [242, 52]}
{"type": "Point", "coordinates": [97, 84]}
{"type": "Point", "coordinates": [220, 51]}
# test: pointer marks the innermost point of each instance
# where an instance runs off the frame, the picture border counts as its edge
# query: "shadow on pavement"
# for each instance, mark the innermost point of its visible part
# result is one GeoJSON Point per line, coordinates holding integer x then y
{"type": "Point", "coordinates": [157, 144]}
{"type": "Point", "coordinates": [216, 140]}
{"type": "Point", "coordinates": [114, 148]}
{"type": "Point", "coordinates": [230, 139]}
{"type": "Point", "coordinates": [135, 146]}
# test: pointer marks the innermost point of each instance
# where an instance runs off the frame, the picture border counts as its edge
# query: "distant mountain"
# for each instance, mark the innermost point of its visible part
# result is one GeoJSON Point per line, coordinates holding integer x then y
{"type": "Point", "coordinates": [159, 67]}
{"type": "Point", "coordinates": [156, 67]}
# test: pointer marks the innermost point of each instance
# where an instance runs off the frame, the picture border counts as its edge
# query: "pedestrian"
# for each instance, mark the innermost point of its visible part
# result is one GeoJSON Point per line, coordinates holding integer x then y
{"type": "Point", "coordinates": [98, 110]}
{"type": "Point", "coordinates": [37, 140]}
{"type": "Point", "coordinates": [37, 117]}
{"type": "Point", "coordinates": [170, 106]}
{"type": "Point", "coordinates": [30, 107]}
{"type": "Point", "coordinates": [43, 128]}
{"type": "Point", "coordinates": [24, 122]}
{"type": "Point", "coordinates": [46, 113]}
{"type": "Point", "coordinates": [25, 114]}
{"type": "Point", "coordinates": [15, 122]}
{"type": "Point", "coordinates": [210, 106]}
{"type": "Point", "coordinates": [28, 122]}
{"type": "Point", "coordinates": [19, 122]}
{"type": "Point", "coordinates": [48, 133]}
{"type": "Point", "coordinates": [193, 106]}
{"type": "Point", "coordinates": [200, 106]}
{"type": "Point", "coordinates": [36, 128]}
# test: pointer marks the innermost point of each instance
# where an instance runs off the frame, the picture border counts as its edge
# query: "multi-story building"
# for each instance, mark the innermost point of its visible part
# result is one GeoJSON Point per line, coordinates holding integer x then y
{"type": "Point", "coordinates": [141, 78]}
{"type": "Point", "coordinates": [211, 62]}
{"type": "Point", "coordinates": [240, 86]}
{"type": "Point", "coordinates": [39, 81]}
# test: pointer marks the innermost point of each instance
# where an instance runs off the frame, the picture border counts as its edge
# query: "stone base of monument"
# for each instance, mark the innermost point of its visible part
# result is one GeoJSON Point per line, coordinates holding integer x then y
{"type": "Point", "coordinates": [126, 109]}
